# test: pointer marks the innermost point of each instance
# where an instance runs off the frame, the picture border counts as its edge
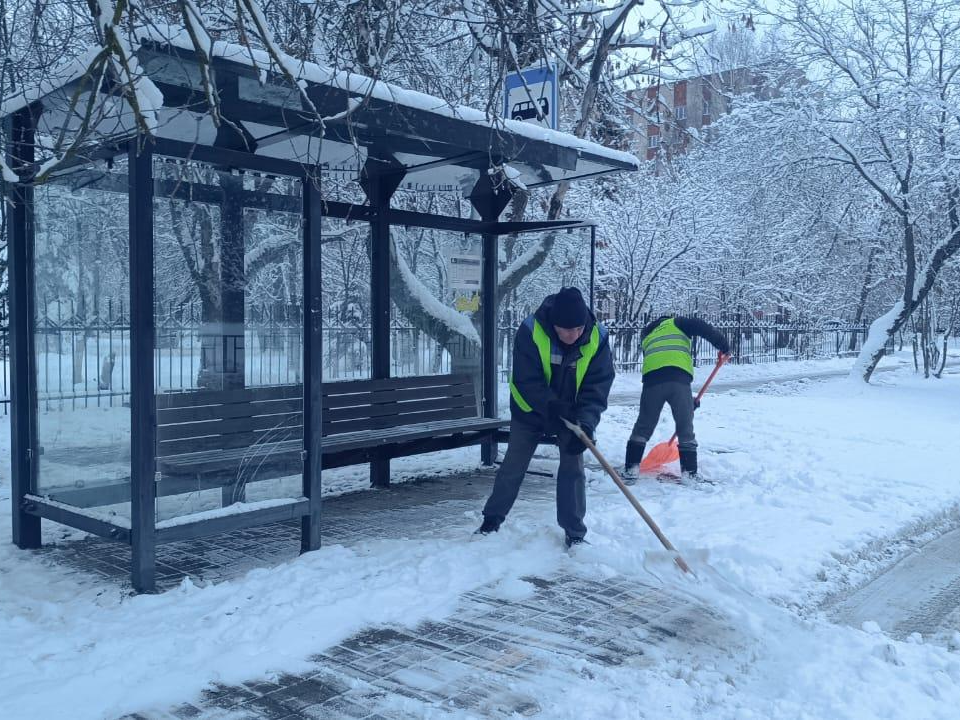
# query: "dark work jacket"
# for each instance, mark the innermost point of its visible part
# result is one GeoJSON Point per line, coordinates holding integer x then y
{"type": "Point", "coordinates": [691, 327]}
{"type": "Point", "coordinates": [529, 379]}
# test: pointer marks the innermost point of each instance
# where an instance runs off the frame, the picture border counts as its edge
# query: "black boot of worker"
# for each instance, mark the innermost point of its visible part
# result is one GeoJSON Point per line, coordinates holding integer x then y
{"type": "Point", "coordinates": [688, 464]}
{"type": "Point", "coordinates": [491, 524]}
{"type": "Point", "coordinates": [631, 462]}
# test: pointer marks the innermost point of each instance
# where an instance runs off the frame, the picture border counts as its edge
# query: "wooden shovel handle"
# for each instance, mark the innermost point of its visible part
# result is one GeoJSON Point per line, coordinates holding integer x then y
{"type": "Point", "coordinates": [615, 476]}
{"type": "Point", "coordinates": [721, 359]}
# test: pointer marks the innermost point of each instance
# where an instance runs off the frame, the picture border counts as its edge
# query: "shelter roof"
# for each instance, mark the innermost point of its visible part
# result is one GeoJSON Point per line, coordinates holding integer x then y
{"type": "Point", "coordinates": [330, 118]}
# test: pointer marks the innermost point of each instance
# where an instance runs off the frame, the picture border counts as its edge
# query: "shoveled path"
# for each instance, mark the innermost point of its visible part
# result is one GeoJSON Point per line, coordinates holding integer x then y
{"type": "Point", "coordinates": [493, 657]}
{"type": "Point", "coordinates": [919, 594]}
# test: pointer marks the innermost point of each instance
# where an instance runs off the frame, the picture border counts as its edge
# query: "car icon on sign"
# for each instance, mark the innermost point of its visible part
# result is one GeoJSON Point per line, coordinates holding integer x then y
{"type": "Point", "coordinates": [527, 110]}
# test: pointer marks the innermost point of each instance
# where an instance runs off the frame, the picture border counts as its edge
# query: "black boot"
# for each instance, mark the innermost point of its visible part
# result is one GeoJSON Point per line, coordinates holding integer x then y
{"type": "Point", "coordinates": [631, 462]}
{"type": "Point", "coordinates": [688, 463]}
{"type": "Point", "coordinates": [491, 524]}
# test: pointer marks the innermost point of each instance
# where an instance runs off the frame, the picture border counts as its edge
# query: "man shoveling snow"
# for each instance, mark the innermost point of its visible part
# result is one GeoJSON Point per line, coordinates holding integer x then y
{"type": "Point", "coordinates": [667, 374]}
{"type": "Point", "coordinates": [562, 368]}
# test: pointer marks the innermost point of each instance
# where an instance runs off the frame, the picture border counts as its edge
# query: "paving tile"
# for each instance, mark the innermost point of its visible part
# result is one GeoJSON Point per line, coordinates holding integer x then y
{"type": "Point", "coordinates": [266, 707]}
{"type": "Point", "coordinates": [186, 711]}
{"type": "Point", "coordinates": [338, 707]}
{"type": "Point", "coordinates": [261, 687]}
{"type": "Point", "coordinates": [226, 696]}
{"type": "Point", "coordinates": [303, 694]}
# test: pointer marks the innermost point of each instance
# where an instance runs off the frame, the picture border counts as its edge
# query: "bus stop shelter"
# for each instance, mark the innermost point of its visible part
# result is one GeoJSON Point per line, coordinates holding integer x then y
{"type": "Point", "coordinates": [181, 432]}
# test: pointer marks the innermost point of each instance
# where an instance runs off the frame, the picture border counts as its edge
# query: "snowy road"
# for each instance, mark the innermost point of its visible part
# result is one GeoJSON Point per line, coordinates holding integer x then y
{"type": "Point", "coordinates": [723, 385]}
{"type": "Point", "coordinates": [919, 594]}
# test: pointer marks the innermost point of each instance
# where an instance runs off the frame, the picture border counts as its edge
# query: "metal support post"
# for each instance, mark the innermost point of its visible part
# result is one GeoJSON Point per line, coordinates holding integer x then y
{"type": "Point", "coordinates": [142, 401]}
{"type": "Point", "coordinates": [489, 200]}
{"type": "Point", "coordinates": [488, 284]}
{"type": "Point", "coordinates": [23, 389]}
{"type": "Point", "coordinates": [312, 362]}
{"type": "Point", "coordinates": [380, 178]}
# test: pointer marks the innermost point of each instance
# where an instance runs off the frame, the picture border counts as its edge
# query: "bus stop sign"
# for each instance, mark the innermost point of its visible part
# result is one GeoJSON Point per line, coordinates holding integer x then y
{"type": "Point", "coordinates": [530, 95]}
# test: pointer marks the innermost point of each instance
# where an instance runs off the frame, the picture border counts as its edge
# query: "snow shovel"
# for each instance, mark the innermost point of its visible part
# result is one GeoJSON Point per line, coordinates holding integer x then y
{"type": "Point", "coordinates": [585, 439]}
{"type": "Point", "coordinates": [667, 452]}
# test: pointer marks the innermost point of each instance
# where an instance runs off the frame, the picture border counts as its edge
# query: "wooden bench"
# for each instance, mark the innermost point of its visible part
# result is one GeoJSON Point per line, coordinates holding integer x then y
{"type": "Point", "coordinates": [225, 439]}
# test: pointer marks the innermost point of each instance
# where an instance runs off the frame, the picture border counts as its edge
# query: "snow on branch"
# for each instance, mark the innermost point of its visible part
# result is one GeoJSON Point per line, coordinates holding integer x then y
{"type": "Point", "coordinates": [618, 15]}
{"type": "Point", "coordinates": [527, 257]}
{"type": "Point", "coordinates": [203, 47]}
{"type": "Point", "coordinates": [880, 330]}
{"type": "Point", "coordinates": [289, 67]}
{"type": "Point", "coordinates": [7, 172]}
{"type": "Point", "coordinates": [143, 95]}
{"type": "Point", "coordinates": [446, 316]}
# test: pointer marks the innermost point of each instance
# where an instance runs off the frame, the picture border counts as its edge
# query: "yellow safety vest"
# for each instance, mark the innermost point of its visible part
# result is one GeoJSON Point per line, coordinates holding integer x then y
{"type": "Point", "coordinates": [667, 346]}
{"type": "Point", "coordinates": [545, 348]}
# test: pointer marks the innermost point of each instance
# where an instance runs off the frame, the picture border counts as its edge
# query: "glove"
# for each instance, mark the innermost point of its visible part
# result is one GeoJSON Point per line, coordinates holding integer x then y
{"type": "Point", "coordinates": [696, 403]}
{"type": "Point", "coordinates": [561, 409]}
{"type": "Point", "coordinates": [574, 445]}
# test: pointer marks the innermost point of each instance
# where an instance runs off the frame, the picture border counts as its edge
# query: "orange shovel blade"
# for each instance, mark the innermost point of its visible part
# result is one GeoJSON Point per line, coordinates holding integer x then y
{"type": "Point", "coordinates": [660, 455]}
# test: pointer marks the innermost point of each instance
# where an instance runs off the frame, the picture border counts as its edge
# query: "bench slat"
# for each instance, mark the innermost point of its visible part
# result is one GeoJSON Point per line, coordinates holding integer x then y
{"type": "Point", "coordinates": [389, 421]}
{"type": "Point", "coordinates": [400, 409]}
{"type": "Point", "coordinates": [357, 440]}
{"type": "Point", "coordinates": [225, 442]}
{"type": "Point", "coordinates": [227, 397]}
{"type": "Point", "coordinates": [348, 386]}
{"type": "Point", "coordinates": [360, 399]}
{"type": "Point", "coordinates": [167, 416]}
{"type": "Point", "coordinates": [228, 427]}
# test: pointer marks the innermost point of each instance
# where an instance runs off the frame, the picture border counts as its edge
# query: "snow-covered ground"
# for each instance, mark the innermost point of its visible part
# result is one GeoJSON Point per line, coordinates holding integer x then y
{"type": "Point", "coordinates": [813, 481]}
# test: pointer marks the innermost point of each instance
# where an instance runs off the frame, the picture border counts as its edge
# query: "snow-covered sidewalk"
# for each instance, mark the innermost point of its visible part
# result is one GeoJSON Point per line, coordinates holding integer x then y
{"type": "Point", "coordinates": [814, 482]}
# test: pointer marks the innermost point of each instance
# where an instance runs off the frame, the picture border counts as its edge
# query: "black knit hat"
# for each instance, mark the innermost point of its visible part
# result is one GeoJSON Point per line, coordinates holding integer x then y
{"type": "Point", "coordinates": [569, 310]}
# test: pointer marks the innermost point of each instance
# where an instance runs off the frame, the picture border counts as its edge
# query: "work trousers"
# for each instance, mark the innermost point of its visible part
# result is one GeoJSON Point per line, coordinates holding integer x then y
{"type": "Point", "coordinates": [678, 396]}
{"type": "Point", "coordinates": [571, 491]}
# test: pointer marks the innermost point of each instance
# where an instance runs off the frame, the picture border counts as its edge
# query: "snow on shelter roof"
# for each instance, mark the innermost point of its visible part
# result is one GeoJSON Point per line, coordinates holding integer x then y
{"type": "Point", "coordinates": [439, 145]}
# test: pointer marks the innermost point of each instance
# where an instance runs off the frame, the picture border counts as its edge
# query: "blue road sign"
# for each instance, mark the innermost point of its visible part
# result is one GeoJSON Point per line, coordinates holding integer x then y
{"type": "Point", "coordinates": [530, 95]}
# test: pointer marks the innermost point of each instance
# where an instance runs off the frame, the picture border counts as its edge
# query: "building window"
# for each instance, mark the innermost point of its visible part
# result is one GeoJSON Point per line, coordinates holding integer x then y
{"type": "Point", "coordinates": [653, 142]}
{"type": "Point", "coordinates": [680, 112]}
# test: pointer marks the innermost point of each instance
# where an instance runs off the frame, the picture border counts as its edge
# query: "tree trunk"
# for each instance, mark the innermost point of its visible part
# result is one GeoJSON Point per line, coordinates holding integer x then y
{"type": "Point", "coordinates": [943, 357]}
{"type": "Point", "coordinates": [864, 294]}
{"type": "Point", "coordinates": [882, 330]}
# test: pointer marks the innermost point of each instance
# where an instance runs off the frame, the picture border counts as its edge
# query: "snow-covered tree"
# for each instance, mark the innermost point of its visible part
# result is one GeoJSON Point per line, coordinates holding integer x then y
{"type": "Point", "coordinates": [884, 97]}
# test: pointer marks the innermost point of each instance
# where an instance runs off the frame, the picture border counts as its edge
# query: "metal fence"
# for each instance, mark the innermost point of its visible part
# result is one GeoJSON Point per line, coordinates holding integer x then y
{"type": "Point", "coordinates": [754, 339]}
{"type": "Point", "coordinates": [82, 358]}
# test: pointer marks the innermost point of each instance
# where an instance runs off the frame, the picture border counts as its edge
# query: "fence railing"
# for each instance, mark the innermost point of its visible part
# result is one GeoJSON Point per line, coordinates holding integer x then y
{"type": "Point", "coordinates": [753, 340]}
{"type": "Point", "coordinates": [84, 359]}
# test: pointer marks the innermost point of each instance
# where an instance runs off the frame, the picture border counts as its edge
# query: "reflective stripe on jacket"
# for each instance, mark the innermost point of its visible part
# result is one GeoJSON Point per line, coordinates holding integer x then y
{"type": "Point", "coordinates": [667, 346]}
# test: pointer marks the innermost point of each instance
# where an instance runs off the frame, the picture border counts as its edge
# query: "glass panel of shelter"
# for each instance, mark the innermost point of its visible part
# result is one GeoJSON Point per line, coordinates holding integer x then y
{"type": "Point", "coordinates": [228, 264]}
{"type": "Point", "coordinates": [435, 326]}
{"type": "Point", "coordinates": [345, 286]}
{"type": "Point", "coordinates": [82, 338]}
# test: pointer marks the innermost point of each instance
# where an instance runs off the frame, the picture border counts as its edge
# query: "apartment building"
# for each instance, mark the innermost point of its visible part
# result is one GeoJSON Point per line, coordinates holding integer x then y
{"type": "Point", "coordinates": [669, 116]}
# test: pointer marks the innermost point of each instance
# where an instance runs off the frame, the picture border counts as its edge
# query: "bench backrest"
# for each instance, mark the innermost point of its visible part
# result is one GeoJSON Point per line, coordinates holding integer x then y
{"type": "Point", "coordinates": [381, 404]}
{"type": "Point", "coordinates": [219, 420]}
{"type": "Point", "coordinates": [210, 420]}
